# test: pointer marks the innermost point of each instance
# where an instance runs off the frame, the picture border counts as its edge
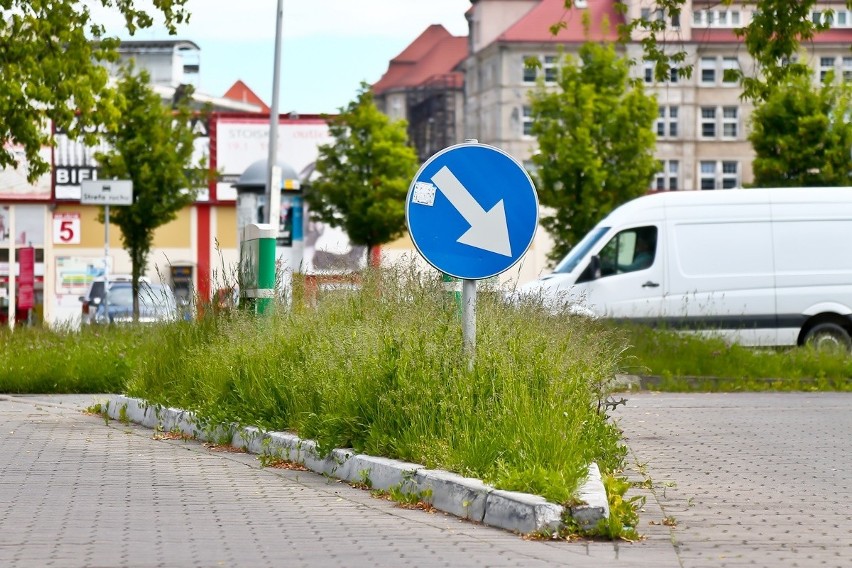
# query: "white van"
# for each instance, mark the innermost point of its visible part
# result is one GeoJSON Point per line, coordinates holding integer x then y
{"type": "Point", "coordinates": [761, 266]}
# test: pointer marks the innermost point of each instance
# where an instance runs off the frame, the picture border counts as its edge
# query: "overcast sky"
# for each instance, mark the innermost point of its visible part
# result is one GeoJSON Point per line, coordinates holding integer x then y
{"type": "Point", "coordinates": [329, 46]}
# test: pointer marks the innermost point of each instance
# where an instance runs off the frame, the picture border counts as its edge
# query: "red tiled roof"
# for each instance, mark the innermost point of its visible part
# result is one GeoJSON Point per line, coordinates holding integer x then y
{"type": "Point", "coordinates": [239, 91]}
{"type": "Point", "coordinates": [535, 25]}
{"type": "Point", "coordinates": [434, 53]}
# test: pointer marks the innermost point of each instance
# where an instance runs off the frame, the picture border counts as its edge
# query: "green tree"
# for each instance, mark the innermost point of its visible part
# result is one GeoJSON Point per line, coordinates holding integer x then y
{"type": "Point", "coordinates": [773, 37]}
{"type": "Point", "coordinates": [595, 139]}
{"type": "Point", "coordinates": [153, 147]}
{"type": "Point", "coordinates": [364, 175]}
{"type": "Point", "coordinates": [802, 136]}
{"type": "Point", "coordinates": [50, 55]}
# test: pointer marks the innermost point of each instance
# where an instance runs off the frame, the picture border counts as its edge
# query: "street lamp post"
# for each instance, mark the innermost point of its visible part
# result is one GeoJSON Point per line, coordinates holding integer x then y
{"type": "Point", "coordinates": [273, 191]}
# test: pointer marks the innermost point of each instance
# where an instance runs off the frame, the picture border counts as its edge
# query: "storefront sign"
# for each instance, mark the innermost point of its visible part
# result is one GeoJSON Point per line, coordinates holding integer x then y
{"type": "Point", "coordinates": [66, 228]}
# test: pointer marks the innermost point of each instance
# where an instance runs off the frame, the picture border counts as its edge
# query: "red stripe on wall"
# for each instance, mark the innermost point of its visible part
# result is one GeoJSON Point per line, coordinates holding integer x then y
{"type": "Point", "coordinates": [202, 251]}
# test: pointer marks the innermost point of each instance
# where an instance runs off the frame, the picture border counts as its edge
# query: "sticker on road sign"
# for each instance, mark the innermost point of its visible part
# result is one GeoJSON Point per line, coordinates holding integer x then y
{"type": "Point", "coordinates": [424, 193]}
{"type": "Point", "coordinates": [472, 211]}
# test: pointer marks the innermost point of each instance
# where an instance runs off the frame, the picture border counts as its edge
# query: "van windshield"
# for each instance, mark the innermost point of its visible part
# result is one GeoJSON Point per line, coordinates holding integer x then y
{"type": "Point", "coordinates": [580, 250]}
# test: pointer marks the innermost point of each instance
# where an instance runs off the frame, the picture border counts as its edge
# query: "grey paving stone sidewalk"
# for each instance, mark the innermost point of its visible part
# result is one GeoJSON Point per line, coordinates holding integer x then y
{"type": "Point", "coordinates": [78, 492]}
{"type": "Point", "coordinates": [749, 479]}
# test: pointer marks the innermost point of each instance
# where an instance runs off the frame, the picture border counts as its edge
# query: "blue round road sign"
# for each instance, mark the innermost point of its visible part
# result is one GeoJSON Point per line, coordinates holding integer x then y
{"type": "Point", "coordinates": [472, 211]}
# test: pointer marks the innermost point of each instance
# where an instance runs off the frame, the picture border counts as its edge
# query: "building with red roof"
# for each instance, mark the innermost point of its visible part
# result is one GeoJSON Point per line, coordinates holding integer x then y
{"type": "Point", "coordinates": [703, 125]}
{"type": "Point", "coordinates": [702, 129]}
{"type": "Point", "coordinates": [425, 85]}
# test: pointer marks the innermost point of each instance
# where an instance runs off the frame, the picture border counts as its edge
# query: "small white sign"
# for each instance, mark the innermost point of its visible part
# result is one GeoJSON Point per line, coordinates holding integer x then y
{"type": "Point", "coordinates": [66, 228]}
{"type": "Point", "coordinates": [107, 192]}
{"type": "Point", "coordinates": [424, 193]}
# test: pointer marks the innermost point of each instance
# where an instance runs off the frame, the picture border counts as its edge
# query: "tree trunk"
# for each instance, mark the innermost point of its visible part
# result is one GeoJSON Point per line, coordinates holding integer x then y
{"type": "Point", "coordinates": [374, 256]}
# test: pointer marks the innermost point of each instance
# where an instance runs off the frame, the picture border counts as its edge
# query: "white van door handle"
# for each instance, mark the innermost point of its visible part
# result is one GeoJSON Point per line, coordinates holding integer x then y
{"type": "Point", "coordinates": [650, 284]}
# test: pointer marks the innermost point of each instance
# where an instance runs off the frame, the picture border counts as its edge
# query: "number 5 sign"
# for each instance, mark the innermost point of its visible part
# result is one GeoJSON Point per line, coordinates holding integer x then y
{"type": "Point", "coordinates": [66, 228]}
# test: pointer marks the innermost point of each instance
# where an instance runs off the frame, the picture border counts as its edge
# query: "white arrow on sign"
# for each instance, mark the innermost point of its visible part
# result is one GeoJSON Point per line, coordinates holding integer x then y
{"type": "Point", "coordinates": [488, 229]}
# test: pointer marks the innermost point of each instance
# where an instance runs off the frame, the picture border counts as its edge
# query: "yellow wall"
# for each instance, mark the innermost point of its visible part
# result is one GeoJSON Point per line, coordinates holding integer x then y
{"type": "Point", "coordinates": [404, 242]}
{"type": "Point", "coordinates": [226, 226]}
{"type": "Point", "coordinates": [176, 234]}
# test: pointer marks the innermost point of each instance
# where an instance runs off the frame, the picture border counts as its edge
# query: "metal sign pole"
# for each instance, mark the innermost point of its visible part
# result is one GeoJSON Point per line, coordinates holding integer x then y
{"type": "Point", "coordinates": [469, 320]}
{"type": "Point", "coordinates": [106, 261]}
{"type": "Point", "coordinates": [13, 309]}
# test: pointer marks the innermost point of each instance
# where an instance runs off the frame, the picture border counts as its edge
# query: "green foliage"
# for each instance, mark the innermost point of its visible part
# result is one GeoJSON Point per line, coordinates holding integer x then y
{"type": "Point", "coordinates": [623, 511]}
{"type": "Point", "coordinates": [664, 54]}
{"type": "Point", "coordinates": [50, 56]}
{"type": "Point", "coordinates": [773, 39]}
{"type": "Point", "coordinates": [92, 360]}
{"type": "Point", "coordinates": [403, 496]}
{"type": "Point", "coordinates": [802, 136]}
{"type": "Point", "coordinates": [596, 143]}
{"type": "Point", "coordinates": [152, 146]}
{"type": "Point", "coordinates": [364, 175]}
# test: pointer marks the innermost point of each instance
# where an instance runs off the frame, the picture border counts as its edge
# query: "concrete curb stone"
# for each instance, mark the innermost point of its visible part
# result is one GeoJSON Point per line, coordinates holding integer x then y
{"type": "Point", "coordinates": [463, 497]}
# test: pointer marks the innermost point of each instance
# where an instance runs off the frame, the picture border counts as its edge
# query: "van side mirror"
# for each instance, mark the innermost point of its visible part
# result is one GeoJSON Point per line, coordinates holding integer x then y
{"type": "Point", "coordinates": [595, 266]}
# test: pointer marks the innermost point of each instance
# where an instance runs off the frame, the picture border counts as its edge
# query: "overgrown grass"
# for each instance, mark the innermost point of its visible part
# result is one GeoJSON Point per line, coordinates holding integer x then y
{"type": "Point", "coordinates": [679, 360]}
{"type": "Point", "coordinates": [63, 360]}
{"type": "Point", "coordinates": [382, 370]}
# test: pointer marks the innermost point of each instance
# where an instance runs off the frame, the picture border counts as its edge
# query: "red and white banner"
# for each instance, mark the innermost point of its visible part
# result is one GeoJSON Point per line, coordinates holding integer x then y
{"type": "Point", "coordinates": [26, 279]}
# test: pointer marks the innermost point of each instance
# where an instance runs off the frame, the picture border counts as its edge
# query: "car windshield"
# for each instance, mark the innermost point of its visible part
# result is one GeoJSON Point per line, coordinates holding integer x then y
{"type": "Point", "coordinates": [580, 250]}
{"type": "Point", "coordinates": [151, 296]}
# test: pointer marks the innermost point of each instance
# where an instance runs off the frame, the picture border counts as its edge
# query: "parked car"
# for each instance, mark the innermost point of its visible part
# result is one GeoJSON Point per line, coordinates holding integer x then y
{"type": "Point", "coordinates": [95, 294]}
{"type": "Point", "coordinates": [156, 303]}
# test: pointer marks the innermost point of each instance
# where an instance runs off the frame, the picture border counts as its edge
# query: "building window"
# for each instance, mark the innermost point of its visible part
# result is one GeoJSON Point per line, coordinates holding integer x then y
{"type": "Point", "coordinates": [549, 68]}
{"type": "Point", "coordinates": [714, 122]}
{"type": "Point", "coordinates": [708, 122]}
{"type": "Point", "coordinates": [529, 72]}
{"type": "Point", "coordinates": [719, 175]}
{"type": "Point", "coordinates": [839, 19]}
{"type": "Point", "coordinates": [667, 176]}
{"type": "Point", "coordinates": [673, 75]}
{"type": "Point", "coordinates": [649, 68]}
{"type": "Point", "coordinates": [729, 122]}
{"type": "Point", "coordinates": [676, 21]}
{"type": "Point", "coordinates": [716, 18]}
{"type": "Point", "coordinates": [729, 66]}
{"type": "Point", "coordinates": [847, 68]}
{"type": "Point", "coordinates": [730, 175]}
{"type": "Point", "coordinates": [527, 121]}
{"type": "Point", "coordinates": [708, 70]}
{"type": "Point", "coordinates": [667, 122]}
{"type": "Point", "coordinates": [826, 65]}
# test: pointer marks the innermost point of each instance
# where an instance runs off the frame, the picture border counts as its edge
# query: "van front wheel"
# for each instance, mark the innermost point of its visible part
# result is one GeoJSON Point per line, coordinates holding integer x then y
{"type": "Point", "coordinates": [828, 336]}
